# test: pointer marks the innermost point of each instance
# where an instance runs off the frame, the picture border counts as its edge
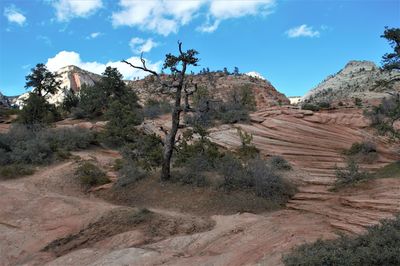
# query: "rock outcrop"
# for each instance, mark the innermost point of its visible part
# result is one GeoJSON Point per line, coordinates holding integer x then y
{"type": "Point", "coordinates": [219, 85]}
{"type": "Point", "coordinates": [358, 79]}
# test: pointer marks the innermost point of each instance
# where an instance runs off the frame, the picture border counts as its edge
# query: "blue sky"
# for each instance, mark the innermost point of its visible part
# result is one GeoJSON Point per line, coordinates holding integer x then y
{"type": "Point", "coordinates": [294, 44]}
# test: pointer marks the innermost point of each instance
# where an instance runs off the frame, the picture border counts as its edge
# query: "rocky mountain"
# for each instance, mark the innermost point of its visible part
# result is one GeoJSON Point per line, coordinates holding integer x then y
{"type": "Point", "coordinates": [72, 78]}
{"type": "Point", "coordinates": [218, 83]}
{"type": "Point", "coordinates": [358, 79]}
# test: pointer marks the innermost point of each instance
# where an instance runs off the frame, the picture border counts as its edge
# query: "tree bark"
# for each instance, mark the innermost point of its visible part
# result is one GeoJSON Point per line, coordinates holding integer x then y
{"type": "Point", "coordinates": [171, 137]}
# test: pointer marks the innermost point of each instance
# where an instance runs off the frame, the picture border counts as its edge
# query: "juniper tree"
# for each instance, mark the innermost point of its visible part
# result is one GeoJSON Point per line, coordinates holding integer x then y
{"type": "Point", "coordinates": [175, 87]}
{"type": "Point", "coordinates": [391, 61]}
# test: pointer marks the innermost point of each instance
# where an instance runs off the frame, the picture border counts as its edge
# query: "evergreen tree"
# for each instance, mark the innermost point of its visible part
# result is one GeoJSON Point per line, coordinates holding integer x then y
{"type": "Point", "coordinates": [391, 61]}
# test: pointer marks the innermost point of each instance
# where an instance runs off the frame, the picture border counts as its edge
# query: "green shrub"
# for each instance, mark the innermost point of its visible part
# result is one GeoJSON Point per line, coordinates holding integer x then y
{"type": "Point", "coordinates": [391, 170]}
{"type": "Point", "coordinates": [37, 110]}
{"type": "Point", "coordinates": [267, 183]}
{"type": "Point", "coordinates": [324, 105]}
{"type": "Point", "coordinates": [379, 246]}
{"type": "Point", "coordinates": [190, 148]}
{"type": "Point", "coordinates": [233, 173]}
{"type": "Point", "coordinates": [154, 108]}
{"type": "Point", "coordinates": [27, 145]}
{"type": "Point", "coordinates": [279, 163]}
{"type": "Point", "coordinates": [310, 106]}
{"type": "Point", "coordinates": [129, 173]}
{"type": "Point", "coordinates": [361, 147]}
{"type": "Point", "coordinates": [384, 115]}
{"type": "Point", "coordinates": [247, 150]}
{"type": "Point", "coordinates": [357, 101]}
{"type": "Point", "coordinates": [193, 171]}
{"type": "Point", "coordinates": [118, 164]}
{"type": "Point", "coordinates": [15, 170]}
{"type": "Point", "coordinates": [364, 152]}
{"type": "Point", "coordinates": [145, 151]}
{"type": "Point", "coordinates": [122, 119]}
{"type": "Point", "coordinates": [91, 175]}
{"type": "Point", "coordinates": [350, 174]}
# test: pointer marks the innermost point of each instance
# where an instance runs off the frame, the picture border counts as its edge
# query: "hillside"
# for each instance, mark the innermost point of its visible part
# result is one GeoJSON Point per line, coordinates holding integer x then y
{"type": "Point", "coordinates": [218, 83]}
{"type": "Point", "coordinates": [358, 79]}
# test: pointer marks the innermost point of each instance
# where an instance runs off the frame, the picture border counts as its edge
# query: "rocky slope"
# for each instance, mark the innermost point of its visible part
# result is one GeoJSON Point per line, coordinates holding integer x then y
{"type": "Point", "coordinates": [218, 83]}
{"type": "Point", "coordinates": [75, 228]}
{"type": "Point", "coordinates": [358, 79]}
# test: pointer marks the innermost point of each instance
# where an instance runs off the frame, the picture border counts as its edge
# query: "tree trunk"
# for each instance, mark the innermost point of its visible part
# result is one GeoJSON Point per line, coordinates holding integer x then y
{"type": "Point", "coordinates": [170, 138]}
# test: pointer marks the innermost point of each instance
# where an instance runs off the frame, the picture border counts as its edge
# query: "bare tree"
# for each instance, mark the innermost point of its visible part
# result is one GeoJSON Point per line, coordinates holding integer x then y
{"type": "Point", "coordinates": [175, 85]}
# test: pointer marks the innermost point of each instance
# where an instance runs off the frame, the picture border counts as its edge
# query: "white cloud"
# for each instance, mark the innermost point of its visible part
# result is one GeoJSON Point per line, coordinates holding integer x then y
{"type": "Point", "coordinates": [68, 9]}
{"type": "Point", "coordinates": [139, 45]}
{"type": "Point", "coordinates": [225, 9]}
{"type": "Point", "coordinates": [94, 35]}
{"type": "Point", "coordinates": [302, 31]}
{"type": "Point", "coordinates": [14, 16]}
{"type": "Point", "coordinates": [209, 27]}
{"type": "Point", "coordinates": [66, 58]}
{"type": "Point", "coordinates": [167, 16]}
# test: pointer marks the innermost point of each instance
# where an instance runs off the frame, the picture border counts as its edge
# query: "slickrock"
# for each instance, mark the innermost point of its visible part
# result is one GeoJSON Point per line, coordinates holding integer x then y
{"type": "Point", "coordinates": [40, 209]}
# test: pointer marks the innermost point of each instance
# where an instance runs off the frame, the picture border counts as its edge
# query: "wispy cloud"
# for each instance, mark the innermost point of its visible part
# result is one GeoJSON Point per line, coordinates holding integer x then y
{"type": "Point", "coordinates": [139, 45]}
{"type": "Point", "coordinates": [68, 9]}
{"type": "Point", "coordinates": [94, 35]}
{"type": "Point", "coordinates": [13, 15]}
{"type": "Point", "coordinates": [302, 31]}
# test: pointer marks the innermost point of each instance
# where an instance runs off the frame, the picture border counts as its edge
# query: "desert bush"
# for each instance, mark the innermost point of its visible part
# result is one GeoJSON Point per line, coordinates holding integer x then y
{"type": "Point", "coordinates": [279, 163]}
{"type": "Point", "coordinates": [27, 145]}
{"type": "Point", "coordinates": [247, 150]}
{"type": "Point", "coordinates": [379, 246]}
{"type": "Point", "coordinates": [190, 147]}
{"type": "Point", "coordinates": [324, 105]}
{"type": "Point", "coordinates": [254, 175]}
{"type": "Point", "coordinates": [233, 173]}
{"type": "Point", "coordinates": [350, 174]}
{"type": "Point", "coordinates": [231, 112]}
{"type": "Point", "coordinates": [310, 106]}
{"type": "Point", "coordinates": [145, 151]}
{"type": "Point", "coordinates": [363, 151]}
{"type": "Point", "coordinates": [154, 108]}
{"type": "Point", "coordinates": [267, 183]}
{"type": "Point", "coordinates": [193, 172]}
{"type": "Point", "coordinates": [15, 170]}
{"type": "Point", "coordinates": [361, 147]}
{"type": "Point", "coordinates": [91, 175]}
{"type": "Point", "coordinates": [358, 102]}
{"type": "Point", "coordinates": [385, 114]}
{"type": "Point", "coordinates": [129, 173]}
